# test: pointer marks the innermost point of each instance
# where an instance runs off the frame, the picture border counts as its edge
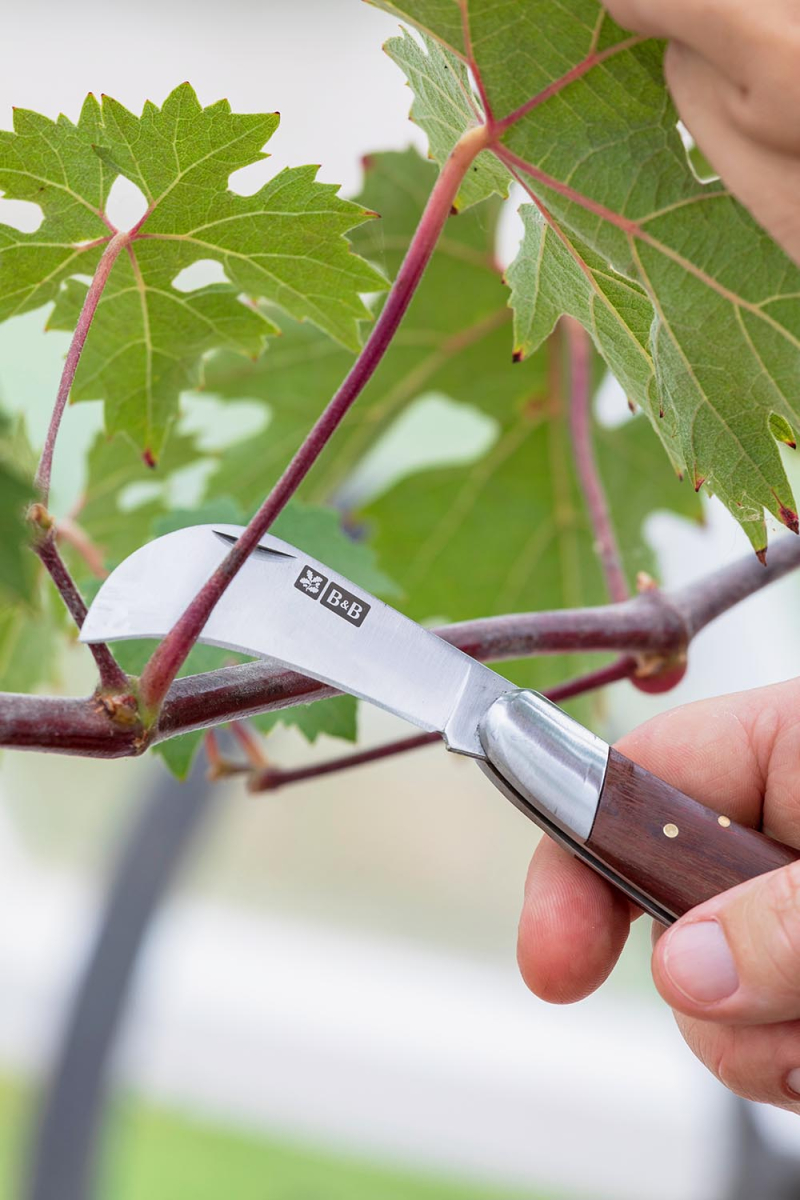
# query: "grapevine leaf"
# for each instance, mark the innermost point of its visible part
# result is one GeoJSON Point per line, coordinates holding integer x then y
{"type": "Point", "coordinates": [511, 533]}
{"type": "Point", "coordinates": [51, 164]}
{"type": "Point", "coordinates": [454, 341]}
{"type": "Point", "coordinates": [584, 120]}
{"type": "Point", "coordinates": [319, 532]}
{"type": "Point", "coordinates": [783, 431]}
{"type": "Point", "coordinates": [336, 717]}
{"type": "Point", "coordinates": [29, 637]}
{"type": "Point", "coordinates": [552, 275]}
{"type": "Point", "coordinates": [116, 528]}
{"type": "Point", "coordinates": [147, 342]}
{"type": "Point", "coordinates": [31, 617]}
{"type": "Point", "coordinates": [441, 18]}
{"type": "Point", "coordinates": [17, 563]}
{"type": "Point", "coordinates": [180, 752]}
{"type": "Point", "coordinates": [284, 244]}
{"type": "Point", "coordinates": [445, 107]}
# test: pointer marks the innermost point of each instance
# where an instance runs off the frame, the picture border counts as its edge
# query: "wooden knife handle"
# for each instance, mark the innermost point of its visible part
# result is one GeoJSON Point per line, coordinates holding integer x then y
{"type": "Point", "coordinates": [670, 847]}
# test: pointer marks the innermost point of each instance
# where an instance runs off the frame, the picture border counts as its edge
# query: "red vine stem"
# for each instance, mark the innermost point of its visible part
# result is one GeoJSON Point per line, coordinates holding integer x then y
{"type": "Point", "coordinates": [250, 743]}
{"type": "Point", "coordinates": [580, 421]}
{"type": "Point", "coordinates": [473, 63]}
{"type": "Point", "coordinates": [170, 654]}
{"type": "Point", "coordinates": [112, 677]}
{"type": "Point", "coordinates": [110, 254]}
{"type": "Point", "coordinates": [660, 623]}
{"type": "Point", "coordinates": [271, 778]}
{"type": "Point", "coordinates": [582, 68]}
{"type": "Point", "coordinates": [68, 530]}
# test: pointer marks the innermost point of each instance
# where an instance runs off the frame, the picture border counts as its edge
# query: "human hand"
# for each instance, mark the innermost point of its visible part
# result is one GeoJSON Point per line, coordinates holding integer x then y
{"type": "Point", "coordinates": [733, 68]}
{"type": "Point", "coordinates": [730, 968]}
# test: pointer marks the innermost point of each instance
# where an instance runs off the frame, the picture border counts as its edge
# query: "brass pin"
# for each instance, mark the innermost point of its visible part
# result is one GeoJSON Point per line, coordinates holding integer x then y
{"type": "Point", "coordinates": [671, 831]}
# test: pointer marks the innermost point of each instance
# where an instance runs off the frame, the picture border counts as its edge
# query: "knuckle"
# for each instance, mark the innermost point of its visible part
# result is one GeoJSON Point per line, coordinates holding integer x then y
{"type": "Point", "coordinates": [766, 105]}
{"type": "Point", "coordinates": [731, 1068]}
{"type": "Point", "coordinates": [751, 1062]}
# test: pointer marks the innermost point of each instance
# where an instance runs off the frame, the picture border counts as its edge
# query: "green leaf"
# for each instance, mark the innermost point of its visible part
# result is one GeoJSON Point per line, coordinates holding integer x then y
{"type": "Point", "coordinates": [225, 510]}
{"type": "Point", "coordinates": [316, 530]}
{"type": "Point", "coordinates": [584, 114]}
{"type": "Point", "coordinates": [511, 533]}
{"type": "Point", "coordinates": [552, 275]}
{"type": "Point", "coordinates": [336, 717]}
{"type": "Point", "coordinates": [31, 615]}
{"type": "Point", "coordinates": [17, 563]}
{"type": "Point", "coordinates": [284, 244]}
{"type": "Point", "coordinates": [180, 752]}
{"type": "Point", "coordinates": [51, 164]}
{"type": "Point", "coordinates": [782, 431]}
{"type": "Point", "coordinates": [442, 18]}
{"type": "Point", "coordinates": [30, 638]}
{"type": "Point", "coordinates": [454, 341]}
{"type": "Point", "coordinates": [112, 469]}
{"type": "Point", "coordinates": [445, 107]}
{"type": "Point", "coordinates": [133, 655]}
{"type": "Point", "coordinates": [319, 532]}
{"type": "Point", "coordinates": [147, 341]}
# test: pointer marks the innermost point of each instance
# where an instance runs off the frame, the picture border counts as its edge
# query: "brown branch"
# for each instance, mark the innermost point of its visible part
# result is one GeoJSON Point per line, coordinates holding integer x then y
{"type": "Point", "coordinates": [580, 422]}
{"type": "Point", "coordinates": [112, 676]}
{"type": "Point", "coordinates": [271, 778]}
{"type": "Point", "coordinates": [653, 623]}
{"type": "Point", "coordinates": [58, 725]}
{"type": "Point", "coordinates": [701, 602]}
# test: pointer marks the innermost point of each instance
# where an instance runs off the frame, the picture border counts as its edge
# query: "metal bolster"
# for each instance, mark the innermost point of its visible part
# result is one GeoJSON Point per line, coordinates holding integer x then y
{"type": "Point", "coordinates": [548, 759]}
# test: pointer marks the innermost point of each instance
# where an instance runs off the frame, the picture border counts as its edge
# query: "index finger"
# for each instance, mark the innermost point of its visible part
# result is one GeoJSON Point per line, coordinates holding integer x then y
{"type": "Point", "coordinates": [726, 32]}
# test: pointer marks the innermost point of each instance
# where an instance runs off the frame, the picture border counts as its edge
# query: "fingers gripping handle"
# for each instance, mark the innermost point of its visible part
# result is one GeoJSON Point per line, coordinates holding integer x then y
{"type": "Point", "coordinates": [663, 849]}
{"type": "Point", "coordinates": [668, 845]}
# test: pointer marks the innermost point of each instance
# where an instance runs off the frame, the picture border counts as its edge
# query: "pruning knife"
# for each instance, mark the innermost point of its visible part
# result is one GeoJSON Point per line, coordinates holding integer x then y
{"type": "Point", "coordinates": [659, 847]}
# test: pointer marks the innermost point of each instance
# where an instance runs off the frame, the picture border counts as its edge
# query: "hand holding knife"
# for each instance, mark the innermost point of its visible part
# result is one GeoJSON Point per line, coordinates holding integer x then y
{"type": "Point", "coordinates": [665, 851]}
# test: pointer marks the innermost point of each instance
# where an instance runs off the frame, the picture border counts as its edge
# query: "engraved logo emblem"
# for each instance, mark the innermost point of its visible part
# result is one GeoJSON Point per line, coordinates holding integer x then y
{"type": "Point", "coordinates": [347, 606]}
{"type": "Point", "coordinates": [311, 583]}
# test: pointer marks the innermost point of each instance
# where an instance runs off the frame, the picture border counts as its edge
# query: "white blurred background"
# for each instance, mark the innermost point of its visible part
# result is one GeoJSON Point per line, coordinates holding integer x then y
{"type": "Point", "coordinates": [334, 979]}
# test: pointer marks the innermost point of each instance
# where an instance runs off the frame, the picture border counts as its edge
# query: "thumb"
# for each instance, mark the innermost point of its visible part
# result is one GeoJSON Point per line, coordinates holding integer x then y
{"type": "Point", "coordinates": [736, 958]}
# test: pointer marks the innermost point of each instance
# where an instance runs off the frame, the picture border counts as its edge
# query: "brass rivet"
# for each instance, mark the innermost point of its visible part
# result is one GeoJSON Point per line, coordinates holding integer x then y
{"type": "Point", "coordinates": [671, 830]}
{"type": "Point", "coordinates": [724, 822]}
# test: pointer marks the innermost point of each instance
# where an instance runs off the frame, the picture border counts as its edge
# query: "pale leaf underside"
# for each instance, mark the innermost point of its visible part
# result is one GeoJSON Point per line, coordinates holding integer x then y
{"type": "Point", "coordinates": [582, 118]}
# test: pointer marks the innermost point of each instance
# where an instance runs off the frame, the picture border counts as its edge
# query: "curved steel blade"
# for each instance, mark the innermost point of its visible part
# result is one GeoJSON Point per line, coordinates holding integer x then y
{"type": "Point", "coordinates": [286, 606]}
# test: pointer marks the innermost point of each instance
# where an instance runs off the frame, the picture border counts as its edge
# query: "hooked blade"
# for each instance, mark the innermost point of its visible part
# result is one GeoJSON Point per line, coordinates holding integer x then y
{"type": "Point", "coordinates": [286, 606]}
